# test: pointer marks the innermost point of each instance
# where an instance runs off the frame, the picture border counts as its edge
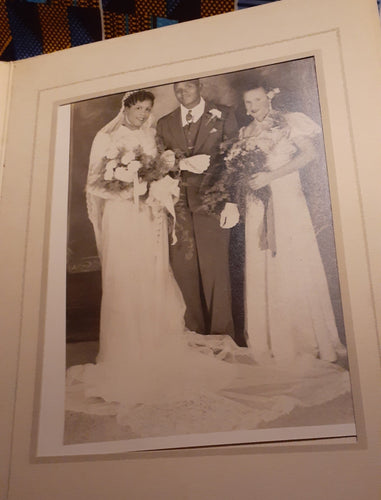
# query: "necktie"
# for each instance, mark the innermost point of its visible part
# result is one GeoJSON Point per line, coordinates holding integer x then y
{"type": "Point", "coordinates": [188, 134]}
{"type": "Point", "coordinates": [189, 117]}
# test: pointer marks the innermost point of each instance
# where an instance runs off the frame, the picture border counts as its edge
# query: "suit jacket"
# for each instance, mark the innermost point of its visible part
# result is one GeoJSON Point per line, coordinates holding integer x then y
{"type": "Point", "coordinates": [212, 132]}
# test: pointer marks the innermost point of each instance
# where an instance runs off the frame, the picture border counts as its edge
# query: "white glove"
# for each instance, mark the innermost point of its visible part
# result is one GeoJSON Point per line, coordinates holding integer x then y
{"type": "Point", "coordinates": [229, 216]}
{"type": "Point", "coordinates": [196, 164]}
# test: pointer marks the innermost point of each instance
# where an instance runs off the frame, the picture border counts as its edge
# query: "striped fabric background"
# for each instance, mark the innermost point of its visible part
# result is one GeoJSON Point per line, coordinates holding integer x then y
{"type": "Point", "coordinates": [32, 27]}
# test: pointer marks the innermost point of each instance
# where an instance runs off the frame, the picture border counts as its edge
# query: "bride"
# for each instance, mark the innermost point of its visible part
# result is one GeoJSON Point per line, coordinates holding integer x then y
{"type": "Point", "coordinates": [142, 308]}
{"type": "Point", "coordinates": [144, 354]}
{"type": "Point", "coordinates": [156, 377]}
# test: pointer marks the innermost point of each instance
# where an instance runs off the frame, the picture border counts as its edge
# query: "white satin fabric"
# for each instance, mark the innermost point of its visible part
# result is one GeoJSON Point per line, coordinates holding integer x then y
{"type": "Point", "coordinates": [288, 307]}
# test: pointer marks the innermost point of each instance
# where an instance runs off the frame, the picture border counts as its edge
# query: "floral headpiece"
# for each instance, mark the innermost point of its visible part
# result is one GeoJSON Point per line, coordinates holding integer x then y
{"type": "Point", "coordinates": [272, 93]}
{"type": "Point", "coordinates": [129, 94]}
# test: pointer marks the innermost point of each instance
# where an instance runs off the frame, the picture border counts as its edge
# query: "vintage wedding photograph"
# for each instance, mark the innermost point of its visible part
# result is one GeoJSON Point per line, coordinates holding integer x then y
{"type": "Point", "coordinates": [203, 301]}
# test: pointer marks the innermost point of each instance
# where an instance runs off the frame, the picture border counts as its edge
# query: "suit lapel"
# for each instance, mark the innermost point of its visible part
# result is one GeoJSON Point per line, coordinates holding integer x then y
{"type": "Point", "coordinates": [177, 130]}
{"type": "Point", "coordinates": [206, 126]}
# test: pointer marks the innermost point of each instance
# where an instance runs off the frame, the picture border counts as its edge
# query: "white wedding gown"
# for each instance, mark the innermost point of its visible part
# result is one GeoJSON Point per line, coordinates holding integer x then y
{"type": "Point", "coordinates": [144, 355]}
{"type": "Point", "coordinates": [154, 376]}
{"type": "Point", "coordinates": [289, 311]}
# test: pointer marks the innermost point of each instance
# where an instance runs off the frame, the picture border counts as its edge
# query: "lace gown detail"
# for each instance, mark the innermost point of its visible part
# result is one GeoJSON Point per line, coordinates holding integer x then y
{"type": "Point", "coordinates": [289, 311]}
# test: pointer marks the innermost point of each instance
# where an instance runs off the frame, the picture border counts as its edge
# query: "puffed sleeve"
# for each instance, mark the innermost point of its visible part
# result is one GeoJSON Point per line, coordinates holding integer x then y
{"type": "Point", "coordinates": [301, 125]}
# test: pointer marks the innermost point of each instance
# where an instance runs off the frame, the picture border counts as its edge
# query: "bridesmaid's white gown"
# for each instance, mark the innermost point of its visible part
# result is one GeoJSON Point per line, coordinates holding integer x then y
{"type": "Point", "coordinates": [288, 307]}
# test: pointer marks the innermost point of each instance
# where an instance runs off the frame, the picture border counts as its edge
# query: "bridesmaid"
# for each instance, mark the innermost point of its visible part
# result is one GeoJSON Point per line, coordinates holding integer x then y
{"type": "Point", "coordinates": [288, 308]}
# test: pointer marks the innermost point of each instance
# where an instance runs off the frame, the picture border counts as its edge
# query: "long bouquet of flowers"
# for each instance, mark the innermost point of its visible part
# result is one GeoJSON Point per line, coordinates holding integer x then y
{"type": "Point", "coordinates": [134, 170]}
{"type": "Point", "coordinates": [128, 172]}
{"type": "Point", "coordinates": [242, 158]}
{"type": "Point", "coordinates": [239, 160]}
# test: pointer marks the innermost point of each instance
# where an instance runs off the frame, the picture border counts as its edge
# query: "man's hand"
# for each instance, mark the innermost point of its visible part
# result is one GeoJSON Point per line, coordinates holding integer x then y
{"type": "Point", "coordinates": [196, 164]}
{"type": "Point", "coordinates": [229, 216]}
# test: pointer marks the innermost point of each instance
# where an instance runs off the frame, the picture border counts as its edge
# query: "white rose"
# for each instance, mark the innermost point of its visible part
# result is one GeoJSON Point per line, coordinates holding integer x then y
{"type": "Point", "coordinates": [273, 93]}
{"type": "Point", "coordinates": [127, 158]}
{"type": "Point", "coordinates": [112, 152]}
{"type": "Point", "coordinates": [122, 174]}
{"type": "Point", "coordinates": [216, 113]}
{"type": "Point", "coordinates": [134, 166]}
{"type": "Point", "coordinates": [109, 173]}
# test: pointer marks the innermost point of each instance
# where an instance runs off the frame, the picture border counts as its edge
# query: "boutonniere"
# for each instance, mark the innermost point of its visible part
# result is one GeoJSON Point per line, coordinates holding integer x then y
{"type": "Point", "coordinates": [214, 114]}
{"type": "Point", "coordinates": [213, 131]}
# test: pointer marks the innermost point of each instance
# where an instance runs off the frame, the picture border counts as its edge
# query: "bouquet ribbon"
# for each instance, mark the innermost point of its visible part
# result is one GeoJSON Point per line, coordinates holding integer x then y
{"type": "Point", "coordinates": [165, 191]}
{"type": "Point", "coordinates": [136, 193]}
{"type": "Point", "coordinates": [267, 239]}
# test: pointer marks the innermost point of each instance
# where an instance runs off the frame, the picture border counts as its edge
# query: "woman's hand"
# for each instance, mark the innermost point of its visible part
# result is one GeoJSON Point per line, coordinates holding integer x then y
{"type": "Point", "coordinates": [305, 153]}
{"type": "Point", "coordinates": [260, 180]}
{"type": "Point", "coordinates": [168, 158]}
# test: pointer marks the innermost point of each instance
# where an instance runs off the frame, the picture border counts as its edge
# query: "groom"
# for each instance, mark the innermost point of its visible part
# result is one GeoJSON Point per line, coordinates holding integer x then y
{"type": "Point", "coordinates": [200, 258]}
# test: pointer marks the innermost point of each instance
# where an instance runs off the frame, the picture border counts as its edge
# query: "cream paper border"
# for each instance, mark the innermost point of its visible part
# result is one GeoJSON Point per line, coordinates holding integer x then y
{"type": "Point", "coordinates": [5, 88]}
{"type": "Point", "coordinates": [260, 36]}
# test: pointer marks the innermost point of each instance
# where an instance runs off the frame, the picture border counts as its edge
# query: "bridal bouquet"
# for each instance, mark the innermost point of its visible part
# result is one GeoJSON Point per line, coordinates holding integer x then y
{"type": "Point", "coordinates": [134, 169]}
{"type": "Point", "coordinates": [152, 180]}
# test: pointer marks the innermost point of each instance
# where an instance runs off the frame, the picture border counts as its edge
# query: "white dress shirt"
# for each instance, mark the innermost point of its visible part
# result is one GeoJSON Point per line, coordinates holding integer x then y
{"type": "Point", "coordinates": [197, 112]}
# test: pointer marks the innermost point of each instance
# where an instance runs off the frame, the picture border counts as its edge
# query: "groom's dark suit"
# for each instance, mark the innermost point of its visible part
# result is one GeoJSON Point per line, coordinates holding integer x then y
{"type": "Point", "coordinates": [200, 258]}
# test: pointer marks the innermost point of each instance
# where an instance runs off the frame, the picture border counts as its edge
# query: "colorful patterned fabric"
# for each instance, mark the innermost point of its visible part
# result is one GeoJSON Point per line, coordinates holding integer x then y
{"type": "Point", "coordinates": [212, 8]}
{"type": "Point", "coordinates": [5, 30]}
{"type": "Point", "coordinates": [32, 27]}
{"type": "Point", "coordinates": [25, 29]}
{"type": "Point", "coordinates": [244, 4]}
{"type": "Point", "coordinates": [85, 25]}
{"type": "Point", "coordinates": [54, 27]}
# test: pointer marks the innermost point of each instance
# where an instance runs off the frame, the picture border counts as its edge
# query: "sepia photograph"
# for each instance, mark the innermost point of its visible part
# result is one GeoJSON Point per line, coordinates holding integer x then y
{"type": "Point", "coordinates": [202, 290]}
